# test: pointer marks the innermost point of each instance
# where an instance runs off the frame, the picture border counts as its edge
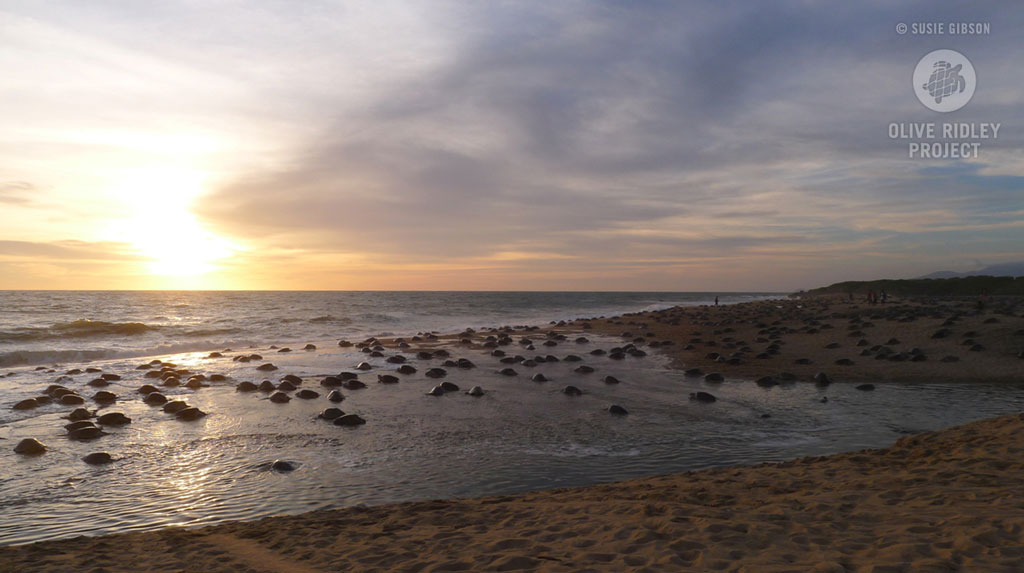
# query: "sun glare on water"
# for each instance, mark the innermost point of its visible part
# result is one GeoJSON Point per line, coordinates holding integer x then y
{"type": "Point", "coordinates": [161, 228]}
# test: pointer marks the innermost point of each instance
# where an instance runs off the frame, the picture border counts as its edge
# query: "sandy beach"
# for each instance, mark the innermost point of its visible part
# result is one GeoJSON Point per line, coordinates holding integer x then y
{"type": "Point", "coordinates": [942, 501]}
{"type": "Point", "coordinates": [951, 339]}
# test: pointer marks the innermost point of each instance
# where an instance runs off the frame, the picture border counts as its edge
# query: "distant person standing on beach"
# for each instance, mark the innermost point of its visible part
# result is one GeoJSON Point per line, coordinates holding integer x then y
{"type": "Point", "coordinates": [716, 301]}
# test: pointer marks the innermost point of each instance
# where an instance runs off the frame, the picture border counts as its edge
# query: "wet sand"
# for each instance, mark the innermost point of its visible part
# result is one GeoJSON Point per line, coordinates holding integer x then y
{"type": "Point", "coordinates": [941, 501]}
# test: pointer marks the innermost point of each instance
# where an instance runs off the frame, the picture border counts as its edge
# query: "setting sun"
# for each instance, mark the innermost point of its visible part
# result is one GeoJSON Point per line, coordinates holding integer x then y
{"type": "Point", "coordinates": [159, 225]}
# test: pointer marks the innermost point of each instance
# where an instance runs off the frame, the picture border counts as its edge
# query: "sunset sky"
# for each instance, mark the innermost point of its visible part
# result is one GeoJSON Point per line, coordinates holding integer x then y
{"type": "Point", "coordinates": [494, 145]}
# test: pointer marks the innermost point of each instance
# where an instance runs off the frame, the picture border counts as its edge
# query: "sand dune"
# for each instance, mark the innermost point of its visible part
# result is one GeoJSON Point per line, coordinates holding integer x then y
{"type": "Point", "coordinates": [951, 500]}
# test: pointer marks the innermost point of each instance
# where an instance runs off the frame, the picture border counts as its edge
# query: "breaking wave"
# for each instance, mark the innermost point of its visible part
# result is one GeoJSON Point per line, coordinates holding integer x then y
{"type": "Point", "coordinates": [81, 328]}
{"type": "Point", "coordinates": [37, 357]}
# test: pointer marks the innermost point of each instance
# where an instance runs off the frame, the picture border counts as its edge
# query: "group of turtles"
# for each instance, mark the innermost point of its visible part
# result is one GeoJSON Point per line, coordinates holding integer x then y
{"type": "Point", "coordinates": [84, 424]}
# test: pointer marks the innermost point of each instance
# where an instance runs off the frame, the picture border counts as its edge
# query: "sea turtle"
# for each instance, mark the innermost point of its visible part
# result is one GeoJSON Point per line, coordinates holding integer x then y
{"type": "Point", "coordinates": [30, 446]}
{"type": "Point", "coordinates": [330, 414]}
{"type": "Point", "coordinates": [191, 414]}
{"type": "Point", "coordinates": [335, 396]}
{"type": "Point", "coordinates": [155, 399]}
{"type": "Point", "coordinates": [280, 398]}
{"type": "Point", "coordinates": [945, 81]}
{"type": "Point", "coordinates": [71, 400]}
{"type": "Point", "coordinates": [86, 433]}
{"type": "Point", "coordinates": [104, 397]}
{"type": "Point", "coordinates": [702, 397]}
{"type": "Point", "coordinates": [78, 425]}
{"type": "Point", "coordinates": [26, 404]}
{"type": "Point", "coordinates": [79, 414]}
{"type": "Point", "coordinates": [175, 406]}
{"type": "Point", "coordinates": [349, 420]}
{"type": "Point", "coordinates": [114, 419]}
{"type": "Point", "coordinates": [98, 458]}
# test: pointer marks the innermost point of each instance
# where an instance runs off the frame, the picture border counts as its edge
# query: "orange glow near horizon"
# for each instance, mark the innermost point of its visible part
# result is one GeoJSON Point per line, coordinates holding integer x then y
{"type": "Point", "coordinates": [160, 227]}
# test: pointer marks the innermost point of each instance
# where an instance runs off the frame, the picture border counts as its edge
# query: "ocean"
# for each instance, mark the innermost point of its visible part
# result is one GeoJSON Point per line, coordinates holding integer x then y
{"type": "Point", "coordinates": [520, 435]}
{"type": "Point", "coordinates": [43, 327]}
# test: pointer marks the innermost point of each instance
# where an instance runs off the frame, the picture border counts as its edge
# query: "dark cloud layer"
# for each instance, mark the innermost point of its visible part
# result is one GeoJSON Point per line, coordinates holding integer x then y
{"type": "Point", "coordinates": [580, 137]}
{"type": "Point", "coordinates": [574, 128]}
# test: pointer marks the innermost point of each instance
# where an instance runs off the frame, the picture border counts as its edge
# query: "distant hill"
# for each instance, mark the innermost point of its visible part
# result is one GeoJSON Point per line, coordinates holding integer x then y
{"type": "Point", "coordinates": [954, 286]}
{"type": "Point", "coordinates": [1014, 269]}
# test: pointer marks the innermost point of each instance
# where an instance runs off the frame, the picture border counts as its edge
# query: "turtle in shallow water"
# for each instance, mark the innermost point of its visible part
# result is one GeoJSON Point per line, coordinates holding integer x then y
{"type": "Point", "coordinates": [30, 446]}
{"type": "Point", "coordinates": [349, 420]}
{"type": "Point", "coordinates": [190, 414]}
{"type": "Point", "coordinates": [945, 81]}
{"type": "Point", "coordinates": [175, 406]}
{"type": "Point", "coordinates": [98, 458]}
{"type": "Point", "coordinates": [79, 425]}
{"type": "Point", "coordinates": [79, 414]}
{"type": "Point", "coordinates": [280, 398]}
{"type": "Point", "coordinates": [113, 419]}
{"type": "Point", "coordinates": [86, 433]}
{"type": "Point", "coordinates": [330, 414]}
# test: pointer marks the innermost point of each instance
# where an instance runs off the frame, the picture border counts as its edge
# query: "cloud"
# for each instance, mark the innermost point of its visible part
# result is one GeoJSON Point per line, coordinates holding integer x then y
{"type": "Point", "coordinates": [17, 193]}
{"type": "Point", "coordinates": [67, 251]}
{"type": "Point", "coordinates": [570, 137]}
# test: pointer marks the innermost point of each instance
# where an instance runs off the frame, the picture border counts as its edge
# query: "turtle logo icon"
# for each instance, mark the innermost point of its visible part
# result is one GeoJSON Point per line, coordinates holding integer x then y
{"type": "Point", "coordinates": [944, 80]}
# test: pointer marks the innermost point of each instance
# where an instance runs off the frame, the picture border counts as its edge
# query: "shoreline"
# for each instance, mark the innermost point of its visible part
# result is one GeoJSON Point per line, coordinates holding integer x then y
{"type": "Point", "coordinates": [694, 539]}
{"type": "Point", "coordinates": [941, 500]}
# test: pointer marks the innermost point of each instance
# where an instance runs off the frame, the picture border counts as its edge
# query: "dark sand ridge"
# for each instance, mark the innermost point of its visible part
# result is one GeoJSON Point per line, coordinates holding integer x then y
{"type": "Point", "coordinates": [804, 329]}
{"type": "Point", "coordinates": [942, 501]}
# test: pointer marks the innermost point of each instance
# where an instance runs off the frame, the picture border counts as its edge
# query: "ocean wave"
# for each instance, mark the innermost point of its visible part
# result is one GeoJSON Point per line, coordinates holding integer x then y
{"type": "Point", "coordinates": [81, 328]}
{"type": "Point", "coordinates": [329, 319]}
{"type": "Point", "coordinates": [379, 317]}
{"type": "Point", "coordinates": [84, 327]}
{"type": "Point", "coordinates": [211, 332]}
{"type": "Point", "coordinates": [36, 357]}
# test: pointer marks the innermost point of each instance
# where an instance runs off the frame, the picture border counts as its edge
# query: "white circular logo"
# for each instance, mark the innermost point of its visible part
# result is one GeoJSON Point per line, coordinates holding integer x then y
{"type": "Point", "coordinates": [944, 80]}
